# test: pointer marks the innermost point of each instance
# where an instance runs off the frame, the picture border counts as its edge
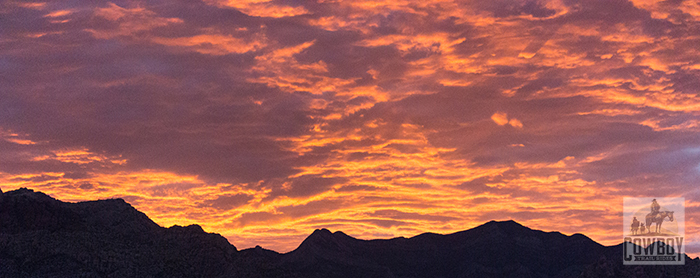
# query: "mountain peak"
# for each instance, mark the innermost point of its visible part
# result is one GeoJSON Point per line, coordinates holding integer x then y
{"type": "Point", "coordinates": [323, 242]}
{"type": "Point", "coordinates": [505, 223]}
{"type": "Point", "coordinates": [321, 232]}
{"type": "Point", "coordinates": [34, 227]}
{"type": "Point", "coordinates": [29, 194]}
{"type": "Point", "coordinates": [508, 227]}
{"type": "Point", "coordinates": [320, 236]}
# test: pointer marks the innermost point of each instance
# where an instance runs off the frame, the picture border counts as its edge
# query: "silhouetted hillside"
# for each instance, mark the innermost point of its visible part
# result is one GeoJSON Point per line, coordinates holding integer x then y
{"type": "Point", "coordinates": [44, 237]}
{"type": "Point", "coordinates": [495, 249]}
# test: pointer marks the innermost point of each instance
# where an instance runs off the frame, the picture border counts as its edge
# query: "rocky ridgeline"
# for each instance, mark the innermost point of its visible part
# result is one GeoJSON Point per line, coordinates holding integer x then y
{"type": "Point", "coordinates": [44, 237]}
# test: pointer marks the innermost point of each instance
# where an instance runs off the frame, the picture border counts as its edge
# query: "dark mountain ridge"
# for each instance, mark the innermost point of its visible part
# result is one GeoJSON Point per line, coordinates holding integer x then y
{"type": "Point", "coordinates": [43, 237]}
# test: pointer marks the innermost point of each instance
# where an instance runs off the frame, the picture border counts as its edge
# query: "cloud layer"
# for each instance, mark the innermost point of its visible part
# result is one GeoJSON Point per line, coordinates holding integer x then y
{"type": "Point", "coordinates": [263, 120]}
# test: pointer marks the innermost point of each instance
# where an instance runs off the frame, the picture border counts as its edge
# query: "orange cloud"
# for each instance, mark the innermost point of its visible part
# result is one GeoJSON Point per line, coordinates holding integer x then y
{"type": "Point", "coordinates": [263, 8]}
{"type": "Point", "coordinates": [500, 118]}
{"type": "Point", "coordinates": [34, 5]}
{"type": "Point", "coordinates": [515, 123]}
{"type": "Point", "coordinates": [130, 20]}
{"type": "Point", "coordinates": [59, 13]}
{"type": "Point", "coordinates": [369, 117]}
{"type": "Point", "coordinates": [15, 138]}
{"type": "Point", "coordinates": [213, 44]}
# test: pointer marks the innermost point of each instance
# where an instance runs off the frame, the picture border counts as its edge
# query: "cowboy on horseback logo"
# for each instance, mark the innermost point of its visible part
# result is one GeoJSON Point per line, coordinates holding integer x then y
{"type": "Point", "coordinates": [654, 231]}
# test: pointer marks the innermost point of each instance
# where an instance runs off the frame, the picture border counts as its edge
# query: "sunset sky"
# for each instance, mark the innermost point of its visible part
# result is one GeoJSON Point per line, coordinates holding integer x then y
{"type": "Point", "coordinates": [264, 120]}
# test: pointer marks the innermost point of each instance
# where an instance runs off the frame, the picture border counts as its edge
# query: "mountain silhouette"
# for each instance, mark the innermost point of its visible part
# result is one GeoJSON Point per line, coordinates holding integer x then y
{"type": "Point", "coordinates": [43, 237]}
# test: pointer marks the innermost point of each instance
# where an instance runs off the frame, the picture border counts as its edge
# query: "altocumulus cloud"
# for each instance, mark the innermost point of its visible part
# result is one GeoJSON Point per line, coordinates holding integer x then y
{"type": "Point", "coordinates": [263, 120]}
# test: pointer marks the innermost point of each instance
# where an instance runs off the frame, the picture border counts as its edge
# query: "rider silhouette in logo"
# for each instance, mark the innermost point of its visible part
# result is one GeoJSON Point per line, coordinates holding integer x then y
{"type": "Point", "coordinates": [654, 208]}
{"type": "Point", "coordinates": [657, 217]}
{"type": "Point", "coordinates": [635, 226]}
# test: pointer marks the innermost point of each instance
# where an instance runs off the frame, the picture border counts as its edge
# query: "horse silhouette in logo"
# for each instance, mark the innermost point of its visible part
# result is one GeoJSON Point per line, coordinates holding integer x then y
{"type": "Point", "coordinates": [657, 217]}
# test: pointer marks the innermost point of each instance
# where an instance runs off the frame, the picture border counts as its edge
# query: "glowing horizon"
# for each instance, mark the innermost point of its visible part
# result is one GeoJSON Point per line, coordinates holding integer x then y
{"type": "Point", "coordinates": [264, 120]}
